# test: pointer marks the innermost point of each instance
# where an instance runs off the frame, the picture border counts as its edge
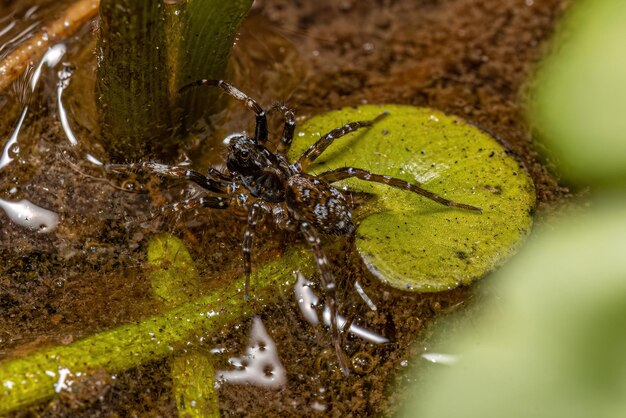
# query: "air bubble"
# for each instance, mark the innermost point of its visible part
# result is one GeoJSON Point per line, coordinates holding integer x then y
{"type": "Point", "coordinates": [363, 363]}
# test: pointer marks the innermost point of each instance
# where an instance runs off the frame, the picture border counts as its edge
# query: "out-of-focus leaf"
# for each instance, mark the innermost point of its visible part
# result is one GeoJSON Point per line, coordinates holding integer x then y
{"type": "Point", "coordinates": [553, 342]}
{"type": "Point", "coordinates": [579, 103]}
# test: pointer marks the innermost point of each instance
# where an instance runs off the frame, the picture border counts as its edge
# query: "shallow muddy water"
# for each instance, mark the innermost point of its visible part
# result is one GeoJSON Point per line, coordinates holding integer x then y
{"type": "Point", "coordinates": [73, 240]}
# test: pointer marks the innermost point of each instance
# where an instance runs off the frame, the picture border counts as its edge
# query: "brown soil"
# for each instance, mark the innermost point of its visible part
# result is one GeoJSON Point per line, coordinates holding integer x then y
{"type": "Point", "coordinates": [471, 58]}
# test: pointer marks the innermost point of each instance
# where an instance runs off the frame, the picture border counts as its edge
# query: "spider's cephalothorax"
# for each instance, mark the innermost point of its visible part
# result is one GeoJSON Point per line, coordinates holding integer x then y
{"type": "Point", "coordinates": [283, 190]}
{"type": "Point", "coordinates": [264, 174]}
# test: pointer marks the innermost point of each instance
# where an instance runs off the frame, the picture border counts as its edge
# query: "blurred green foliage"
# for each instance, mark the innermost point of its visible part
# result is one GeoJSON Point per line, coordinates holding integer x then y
{"type": "Point", "coordinates": [579, 102]}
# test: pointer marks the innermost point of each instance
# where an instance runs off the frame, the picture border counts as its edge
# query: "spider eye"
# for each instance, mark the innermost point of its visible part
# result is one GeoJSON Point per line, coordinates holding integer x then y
{"type": "Point", "coordinates": [244, 154]}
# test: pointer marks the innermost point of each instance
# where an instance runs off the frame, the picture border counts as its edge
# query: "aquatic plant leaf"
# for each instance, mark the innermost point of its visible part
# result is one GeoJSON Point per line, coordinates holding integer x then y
{"type": "Point", "coordinates": [407, 240]}
{"type": "Point", "coordinates": [206, 31]}
{"type": "Point", "coordinates": [132, 78]}
{"type": "Point", "coordinates": [193, 384]}
{"type": "Point", "coordinates": [174, 277]}
{"type": "Point", "coordinates": [146, 51]}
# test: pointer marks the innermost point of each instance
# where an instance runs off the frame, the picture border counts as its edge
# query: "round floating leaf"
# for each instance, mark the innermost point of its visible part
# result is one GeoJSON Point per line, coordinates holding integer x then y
{"type": "Point", "coordinates": [405, 239]}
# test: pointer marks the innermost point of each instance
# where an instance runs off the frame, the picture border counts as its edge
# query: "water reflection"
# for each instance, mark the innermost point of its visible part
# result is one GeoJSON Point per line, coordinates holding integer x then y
{"type": "Point", "coordinates": [51, 58]}
{"type": "Point", "coordinates": [260, 365]}
{"type": "Point", "coordinates": [308, 302]}
{"type": "Point", "coordinates": [29, 215]}
{"type": "Point", "coordinates": [64, 81]}
{"type": "Point", "coordinates": [11, 148]}
{"type": "Point", "coordinates": [65, 76]}
{"type": "Point", "coordinates": [24, 212]}
{"type": "Point", "coordinates": [9, 45]}
{"type": "Point", "coordinates": [441, 358]}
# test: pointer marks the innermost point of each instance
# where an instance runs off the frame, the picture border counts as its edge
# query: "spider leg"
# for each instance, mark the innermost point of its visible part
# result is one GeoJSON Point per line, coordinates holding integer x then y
{"type": "Point", "coordinates": [288, 130]}
{"type": "Point", "coordinates": [216, 174]}
{"type": "Point", "coordinates": [213, 202]}
{"type": "Point", "coordinates": [260, 133]}
{"type": "Point", "coordinates": [282, 220]}
{"type": "Point", "coordinates": [328, 283]}
{"type": "Point", "coordinates": [346, 172]}
{"type": "Point", "coordinates": [171, 171]}
{"type": "Point", "coordinates": [325, 141]}
{"type": "Point", "coordinates": [254, 215]}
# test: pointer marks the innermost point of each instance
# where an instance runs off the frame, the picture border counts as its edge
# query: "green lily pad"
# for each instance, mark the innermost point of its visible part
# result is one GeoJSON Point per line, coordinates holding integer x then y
{"type": "Point", "coordinates": [406, 240]}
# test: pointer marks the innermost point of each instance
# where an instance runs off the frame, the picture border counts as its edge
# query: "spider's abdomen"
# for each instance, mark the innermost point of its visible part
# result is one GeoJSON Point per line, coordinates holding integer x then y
{"type": "Point", "coordinates": [320, 204]}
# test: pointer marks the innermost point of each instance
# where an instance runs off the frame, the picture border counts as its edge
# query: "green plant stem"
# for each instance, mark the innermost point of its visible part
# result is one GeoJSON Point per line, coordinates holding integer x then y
{"type": "Point", "coordinates": [193, 379]}
{"type": "Point", "coordinates": [193, 375]}
{"type": "Point", "coordinates": [32, 378]}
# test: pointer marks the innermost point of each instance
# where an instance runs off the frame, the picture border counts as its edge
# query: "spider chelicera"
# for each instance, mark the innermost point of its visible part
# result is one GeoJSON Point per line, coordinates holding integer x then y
{"type": "Point", "coordinates": [265, 182]}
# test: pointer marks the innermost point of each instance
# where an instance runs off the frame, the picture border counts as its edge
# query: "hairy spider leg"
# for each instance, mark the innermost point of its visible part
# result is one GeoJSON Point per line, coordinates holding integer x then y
{"type": "Point", "coordinates": [328, 283]}
{"type": "Point", "coordinates": [255, 213]}
{"type": "Point", "coordinates": [325, 141]}
{"type": "Point", "coordinates": [288, 130]}
{"type": "Point", "coordinates": [260, 133]}
{"type": "Point", "coordinates": [337, 174]}
{"type": "Point", "coordinates": [172, 171]}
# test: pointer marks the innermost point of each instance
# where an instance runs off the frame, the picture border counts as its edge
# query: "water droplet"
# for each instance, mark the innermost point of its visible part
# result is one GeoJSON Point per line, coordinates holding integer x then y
{"type": "Point", "coordinates": [130, 185]}
{"type": "Point", "coordinates": [318, 406]}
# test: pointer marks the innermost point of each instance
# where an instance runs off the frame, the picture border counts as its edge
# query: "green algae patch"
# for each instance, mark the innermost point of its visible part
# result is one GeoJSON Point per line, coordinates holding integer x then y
{"type": "Point", "coordinates": [404, 239]}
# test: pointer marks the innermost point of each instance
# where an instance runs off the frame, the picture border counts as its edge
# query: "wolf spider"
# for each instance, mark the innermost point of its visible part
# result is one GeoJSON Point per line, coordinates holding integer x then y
{"type": "Point", "coordinates": [265, 182]}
